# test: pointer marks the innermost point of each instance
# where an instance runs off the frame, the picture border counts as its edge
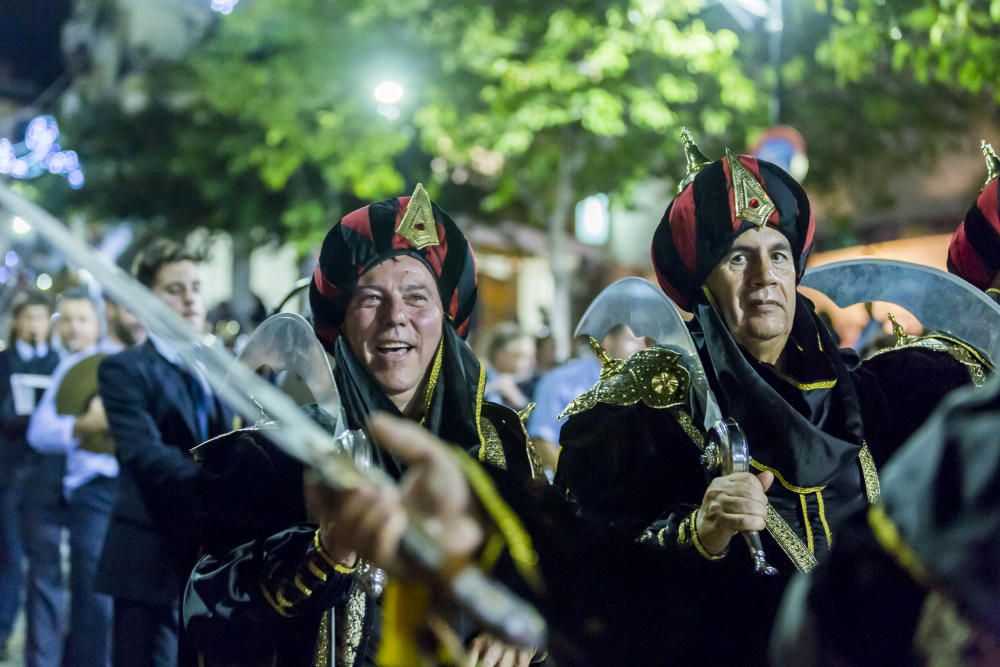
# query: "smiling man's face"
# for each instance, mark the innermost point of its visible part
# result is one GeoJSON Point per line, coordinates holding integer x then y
{"type": "Point", "coordinates": [754, 287]}
{"type": "Point", "coordinates": [393, 326]}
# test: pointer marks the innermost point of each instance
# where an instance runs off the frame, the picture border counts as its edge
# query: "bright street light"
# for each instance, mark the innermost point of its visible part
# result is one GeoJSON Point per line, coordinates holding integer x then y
{"type": "Point", "coordinates": [43, 282]}
{"type": "Point", "coordinates": [20, 225]}
{"type": "Point", "coordinates": [388, 92]}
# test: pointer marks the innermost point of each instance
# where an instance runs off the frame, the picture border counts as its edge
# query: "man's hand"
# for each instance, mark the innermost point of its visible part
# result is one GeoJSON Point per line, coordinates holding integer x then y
{"type": "Point", "coordinates": [488, 651]}
{"type": "Point", "coordinates": [732, 504]}
{"type": "Point", "coordinates": [321, 506]}
{"type": "Point", "coordinates": [372, 518]}
{"type": "Point", "coordinates": [94, 420]}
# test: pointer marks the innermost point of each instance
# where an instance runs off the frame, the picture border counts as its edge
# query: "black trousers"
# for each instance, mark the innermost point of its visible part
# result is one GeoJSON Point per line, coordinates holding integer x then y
{"type": "Point", "coordinates": [145, 634]}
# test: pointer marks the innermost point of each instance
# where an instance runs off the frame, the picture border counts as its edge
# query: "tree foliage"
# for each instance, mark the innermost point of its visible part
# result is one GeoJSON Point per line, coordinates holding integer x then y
{"type": "Point", "coordinates": [512, 108]}
{"type": "Point", "coordinates": [270, 123]}
{"type": "Point", "coordinates": [953, 42]}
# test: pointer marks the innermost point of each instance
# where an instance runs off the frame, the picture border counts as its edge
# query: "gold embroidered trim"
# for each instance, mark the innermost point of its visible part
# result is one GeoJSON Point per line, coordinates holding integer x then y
{"type": "Point", "coordinates": [316, 571]}
{"type": "Point", "coordinates": [750, 200]}
{"type": "Point", "coordinates": [683, 533]}
{"type": "Point", "coordinates": [781, 479]}
{"type": "Point", "coordinates": [892, 542]}
{"type": "Point", "coordinates": [684, 419]}
{"type": "Point", "coordinates": [976, 364]}
{"type": "Point", "coordinates": [653, 375]}
{"type": "Point", "coordinates": [351, 627]}
{"type": "Point", "coordinates": [327, 558]}
{"type": "Point", "coordinates": [869, 472]}
{"type": "Point", "coordinates": [480, 390]}
{"type": "Point", "coordinates": [822, 519]}
{"type": "Point", "coordinates": [418, 226]}
{"type": "Point", "coordinates": [789, 542]}
{"type": "Point", "coordinates": [806, 386]}
{"type": "Point", "coordinates": [534, 459]}
{"type": "Point", "coordinates": [491, 551]}
{"type": "Point", "coordinates": [299, 584]}
{"type": "Point", "coordinates": [491, 450]}
{"type": "Point", "coordinates": [519, 543]}
{"type": "Point", "coordinates": [779, 529]}
{"type": "Point", "coordinates": [696, 541]}
{"type": "Point", "coordinates": [321, 656]}
{"type": "Point", "coordinates": [282, 610]}
{"type": "Point", "coordinates": [808, 526]}
{"type": "Point", "coordinates": [432, 380]}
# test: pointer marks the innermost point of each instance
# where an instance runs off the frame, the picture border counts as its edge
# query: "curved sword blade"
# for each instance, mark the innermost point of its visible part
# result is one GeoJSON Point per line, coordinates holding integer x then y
{"type": "Point", "coordinates": [939, 300]}
{"type": "Point", "coordinates": [286, 342]}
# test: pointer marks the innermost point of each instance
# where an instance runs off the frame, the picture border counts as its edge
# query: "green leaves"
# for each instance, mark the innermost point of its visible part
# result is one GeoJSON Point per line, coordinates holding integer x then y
{"type": "Point", "coordinates": [276, 119]}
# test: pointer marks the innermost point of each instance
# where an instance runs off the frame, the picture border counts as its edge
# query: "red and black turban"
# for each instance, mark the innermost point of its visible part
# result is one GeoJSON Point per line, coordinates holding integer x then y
{"type": "Point", "coordinates": [375, 233]}
{"type": "Point", "coordinates": [701, 223]}
{"type": "Point", "coordinates": [974, 251]}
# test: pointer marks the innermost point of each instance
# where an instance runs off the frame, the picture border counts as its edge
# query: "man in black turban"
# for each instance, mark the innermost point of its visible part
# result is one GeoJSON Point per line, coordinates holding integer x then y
{"type": "Point", "coordinates": [731, 249]}
{"type": "Point", "coordinates": [391, 299]}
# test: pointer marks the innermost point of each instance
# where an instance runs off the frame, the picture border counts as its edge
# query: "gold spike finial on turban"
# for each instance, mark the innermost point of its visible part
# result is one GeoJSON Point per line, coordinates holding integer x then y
{"type": "Point", "coordinates": [418, 226]}
{"type": "Point", "coordinates": [992, 161]}
{"type": "Point", "coordinates": [696, 160]}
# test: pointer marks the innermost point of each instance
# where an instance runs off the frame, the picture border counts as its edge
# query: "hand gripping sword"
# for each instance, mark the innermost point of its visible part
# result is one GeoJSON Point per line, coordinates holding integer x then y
{"type": "Point", "coordinates": [485, 600]}
{"type": "Point", "coordinates": [649, 312]}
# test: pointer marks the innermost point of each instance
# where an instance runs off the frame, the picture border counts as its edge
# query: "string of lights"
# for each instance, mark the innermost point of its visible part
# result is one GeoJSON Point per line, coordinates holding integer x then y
{"type": "Point", "coordinates": [40, 153]}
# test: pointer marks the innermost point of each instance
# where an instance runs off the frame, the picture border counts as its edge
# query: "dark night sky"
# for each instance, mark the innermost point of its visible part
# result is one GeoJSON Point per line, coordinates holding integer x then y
{"type": "Point", "coordinates": [30, 54]}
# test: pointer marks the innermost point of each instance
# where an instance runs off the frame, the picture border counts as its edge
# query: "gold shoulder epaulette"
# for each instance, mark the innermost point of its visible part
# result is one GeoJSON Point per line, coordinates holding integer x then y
{"type": "Point", "coordinates": [653, 375]}
{"type": "Point", "coordinates": [976, 363]}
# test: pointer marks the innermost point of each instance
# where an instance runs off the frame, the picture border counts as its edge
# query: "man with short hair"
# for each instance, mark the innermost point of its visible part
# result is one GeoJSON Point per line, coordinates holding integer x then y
{"type": "Point", "coordinates": [80, 500]}
{"type": "Point", "coordinates": [157, 409]}
{"type": "Point", "coordinates": [28, 356]}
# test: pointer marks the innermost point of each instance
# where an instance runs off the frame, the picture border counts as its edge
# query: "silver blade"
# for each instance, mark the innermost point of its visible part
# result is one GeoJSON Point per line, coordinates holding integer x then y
{"type": "Point", "coordinates": [649, 312]}
{"type": "Point", "coordinates": [505, 614]}
{"type": "Point", "coordinates": [939, 300]}
{"type": "Point", "coordinates": [286, 342]}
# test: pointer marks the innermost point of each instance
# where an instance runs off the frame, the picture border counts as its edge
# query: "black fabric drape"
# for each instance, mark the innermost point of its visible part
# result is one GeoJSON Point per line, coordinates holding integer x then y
{"type": "Point", "coordinates": [826, 429]}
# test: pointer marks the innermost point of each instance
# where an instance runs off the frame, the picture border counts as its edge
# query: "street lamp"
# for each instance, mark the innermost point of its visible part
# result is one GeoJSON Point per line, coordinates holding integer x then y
{"type": "Point", "coordinates": [389, 92]}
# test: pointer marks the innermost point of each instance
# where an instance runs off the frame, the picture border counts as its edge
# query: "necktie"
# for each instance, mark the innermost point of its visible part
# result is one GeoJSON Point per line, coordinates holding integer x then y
{"type": "Point", "coordinates": [201, 402]}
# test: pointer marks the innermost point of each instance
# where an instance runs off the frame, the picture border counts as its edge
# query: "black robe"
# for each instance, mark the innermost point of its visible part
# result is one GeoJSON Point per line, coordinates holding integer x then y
{"type": "Point", "coordinates": [919, 571]}
{"type": "Point", "coordinates": [256, 535]}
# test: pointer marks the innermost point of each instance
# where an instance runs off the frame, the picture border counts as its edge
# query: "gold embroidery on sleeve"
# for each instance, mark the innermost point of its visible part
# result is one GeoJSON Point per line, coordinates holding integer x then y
{"type": "Point", "coordinates": [653, 375]}
{"type": "Point", "coordinates": [870, 474]}
{"type": "Point", "coordinates": [491, 451]}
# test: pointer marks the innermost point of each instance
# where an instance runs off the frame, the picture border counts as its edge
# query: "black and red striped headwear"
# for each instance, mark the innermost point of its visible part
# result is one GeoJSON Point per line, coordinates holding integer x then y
{"type": "Point", "coordinates": [974, 250]}
{"type": "Point", "coordinates": [413, 226]}
{"type": "Point", "coordinates": [724, 199]}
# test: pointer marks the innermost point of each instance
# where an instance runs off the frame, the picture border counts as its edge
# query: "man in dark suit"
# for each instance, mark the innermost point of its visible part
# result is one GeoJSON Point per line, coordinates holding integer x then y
{"type": "Point", "coordinates": [28, 354]}
{"type": "Point", "coordinates": [157, 409]}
